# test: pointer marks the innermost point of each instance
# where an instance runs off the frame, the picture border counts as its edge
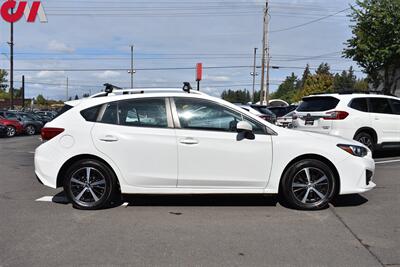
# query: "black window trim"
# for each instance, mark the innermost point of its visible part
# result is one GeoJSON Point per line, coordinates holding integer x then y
{"type": "Point", "coordinates": [267, 130]}
{"type": "Point", "coordinates": [387, 99]}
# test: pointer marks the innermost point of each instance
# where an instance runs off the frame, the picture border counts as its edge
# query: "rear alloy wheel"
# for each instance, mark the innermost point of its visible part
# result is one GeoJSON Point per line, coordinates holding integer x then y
{"type": "Point", "coordinates": [308, 184]}
{"type": "Point", "coordinates": [89, 184]}
{"type": "Point", "coordinates": [365, 139]}
{"type": "Point", "coordinates": [30, 130]}
{"type": "Point", "coordinates": [11, 132]}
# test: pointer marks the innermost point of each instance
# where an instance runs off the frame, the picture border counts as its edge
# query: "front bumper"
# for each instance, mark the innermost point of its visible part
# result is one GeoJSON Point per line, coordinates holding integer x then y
{"type": "Point", "coordinates": [356, 175]}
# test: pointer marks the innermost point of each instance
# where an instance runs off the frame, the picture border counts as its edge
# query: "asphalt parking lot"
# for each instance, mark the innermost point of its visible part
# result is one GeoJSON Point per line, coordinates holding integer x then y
{"type": "Point", "coordinates": [357, 230]}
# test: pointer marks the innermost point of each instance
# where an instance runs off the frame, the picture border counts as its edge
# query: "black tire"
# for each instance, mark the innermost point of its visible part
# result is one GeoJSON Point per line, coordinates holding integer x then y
{"type": "Point", "coordinates": [82, 192]}
{"type": "Point", "coordinates": [11, 131]}
{"type": "Point", "coordinates": [30, 130]}
{"type": "Point", "coordinates": [366, 139]}
{"type": "Point", "coordinates": [296, 184]}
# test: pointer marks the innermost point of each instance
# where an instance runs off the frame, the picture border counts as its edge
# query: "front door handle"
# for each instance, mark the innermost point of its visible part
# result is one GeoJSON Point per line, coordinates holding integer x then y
{"type": "Point", "coordinates": [109, 138]}
{"type": "Point", "coordinates": [189, 141]}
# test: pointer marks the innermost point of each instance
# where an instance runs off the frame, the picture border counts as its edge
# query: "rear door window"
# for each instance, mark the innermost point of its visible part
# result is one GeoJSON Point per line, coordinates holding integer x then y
{"type": "Point", "coordinates": [360, 104]}
{"type": "Point", "coordinates": [150, 112]}
{"type": "Point", "coordinates": [318, 103]}
{"type": "Point", "coordinates": [380, 105]}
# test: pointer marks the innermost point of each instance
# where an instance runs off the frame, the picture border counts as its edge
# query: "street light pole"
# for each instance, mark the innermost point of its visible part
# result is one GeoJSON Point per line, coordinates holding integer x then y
{"type": "Point", "coordinates": [11, 43]}
{"type": "Point", "coordinates": [132, 71]}
{"type": "Point", "coordinates": [254, 74]}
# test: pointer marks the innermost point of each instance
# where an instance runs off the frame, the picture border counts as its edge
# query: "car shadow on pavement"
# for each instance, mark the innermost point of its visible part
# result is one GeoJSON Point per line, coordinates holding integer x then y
{"type": "Point", "coordinates": [222, 200]}
{"type": "Point", "coordinates": [200, 200]}
{"type": "Point", "coordinates": [352, 200]}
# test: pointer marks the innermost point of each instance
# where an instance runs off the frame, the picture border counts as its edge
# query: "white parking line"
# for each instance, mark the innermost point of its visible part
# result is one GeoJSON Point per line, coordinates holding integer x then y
{"type": "Point", "coordinates": [387, 161]}
{"type": "Point", "coordinates": [61, 199]}
{"type": "Point", "coordinates": [45, 199]}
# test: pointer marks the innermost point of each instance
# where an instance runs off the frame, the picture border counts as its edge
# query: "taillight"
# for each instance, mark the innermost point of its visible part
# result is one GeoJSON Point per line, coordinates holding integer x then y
{"type": "Point", "coordinates": [336, 115]}
{"type": "Point", "coordinates": [49, 133]}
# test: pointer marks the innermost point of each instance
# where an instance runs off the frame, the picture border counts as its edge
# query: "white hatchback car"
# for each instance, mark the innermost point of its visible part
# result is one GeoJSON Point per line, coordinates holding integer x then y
{"type": "Point", "coordinates": [175, 142]}
{"type": "Point", "coordinates": [371, 119]}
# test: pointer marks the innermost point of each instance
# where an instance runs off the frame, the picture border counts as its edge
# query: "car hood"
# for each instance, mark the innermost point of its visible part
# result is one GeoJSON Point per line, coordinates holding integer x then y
{"type": "Point", "coordinates": [331, 138]}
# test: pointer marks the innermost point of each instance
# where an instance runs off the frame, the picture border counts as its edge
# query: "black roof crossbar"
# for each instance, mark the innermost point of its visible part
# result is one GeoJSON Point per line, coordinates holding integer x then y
{"type": "Point", "coordinates": [110, 87]}
{"type": "Point", "coordinates": [186, 87]}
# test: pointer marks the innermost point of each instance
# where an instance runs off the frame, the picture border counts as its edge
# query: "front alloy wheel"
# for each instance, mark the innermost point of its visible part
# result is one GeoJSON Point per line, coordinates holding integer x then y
{"type": "Point", "coordinates": [89, 184]}
{"type": "Point", "coordinates": [30, 130]}
{"type": "Point", "coordinates": [11, 131]}
{"type": "Point", "coordinates": [308, 184]}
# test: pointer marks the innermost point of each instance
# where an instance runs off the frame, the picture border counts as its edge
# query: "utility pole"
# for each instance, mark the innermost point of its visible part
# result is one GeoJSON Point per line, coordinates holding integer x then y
{"type": "Point", "coordinates": [132, 71]}
{"type": "Point", "coordinates": [254, 73]}
{"type": "Point", "coordinates": [11, 43]}
{"type": "Point", "coordinates": [67, 89]}
{"type": "Point", "coordinates": [265, 53]}
{"type": "Point", "coordinates": [23, 91]}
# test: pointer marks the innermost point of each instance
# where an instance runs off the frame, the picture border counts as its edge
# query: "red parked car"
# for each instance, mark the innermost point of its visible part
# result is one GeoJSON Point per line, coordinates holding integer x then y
{"type": "Point", "coordinates": [14, 127]}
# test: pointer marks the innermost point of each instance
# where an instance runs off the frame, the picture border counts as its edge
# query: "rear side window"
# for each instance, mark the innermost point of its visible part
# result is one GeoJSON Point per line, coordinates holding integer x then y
{"type": "Point", "coordinates": [395, 106]}
{"type": "Point", "coordinates": [110, 114]}
{"type": "Point", "coordinates": [143, 113]}
{"type": "Point", "coordinates": [91, 114]}
{"type": "Point", "coordinates": [318, 103]}
{"type": "Point", "coordinates": [360, 104]}
{"type": "Point", "coordinates": [380, 105]}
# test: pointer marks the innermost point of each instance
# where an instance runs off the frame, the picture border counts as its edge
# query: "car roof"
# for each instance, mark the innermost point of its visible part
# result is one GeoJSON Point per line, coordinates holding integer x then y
{"type": "Point", "coordinates": [352, 95]}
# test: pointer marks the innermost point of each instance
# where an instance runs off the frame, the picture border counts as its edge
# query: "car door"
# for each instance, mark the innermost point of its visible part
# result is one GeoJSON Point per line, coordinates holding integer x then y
{"type": "Point", "coordinates": [211, 154]}
{"type": "Point", "coordinates": [138, 136]}
{"type": "Point", "coordinates": [383, 120]}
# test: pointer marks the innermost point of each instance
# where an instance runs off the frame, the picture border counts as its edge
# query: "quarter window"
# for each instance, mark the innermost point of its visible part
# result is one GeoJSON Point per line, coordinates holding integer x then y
{"type": "Point", "coordinates": [110, 114]}
{"type": "Point", "coordinates": [396, 106]}
{"type": "Point", "coordinates": [380, 105]}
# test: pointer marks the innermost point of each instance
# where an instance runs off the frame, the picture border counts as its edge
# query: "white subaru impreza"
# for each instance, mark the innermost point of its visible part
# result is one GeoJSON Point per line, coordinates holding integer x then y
{"type": "Point", "coordinates": [186, 142]}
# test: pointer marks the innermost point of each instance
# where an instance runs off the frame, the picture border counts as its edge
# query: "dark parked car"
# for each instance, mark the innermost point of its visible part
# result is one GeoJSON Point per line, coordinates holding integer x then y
{"type": "Point", "coordinates": [43, 118]}
{"type": "Point", "coordinates": [3, 130]}
{"type": "Point", "coordinates": [282, 111]}
{"type": "Point", "coordinates": [48, 113]}
{"type": "Point", "coordinates": [267, 114]}
{"type": "Point", "coordinates": [31, 125]}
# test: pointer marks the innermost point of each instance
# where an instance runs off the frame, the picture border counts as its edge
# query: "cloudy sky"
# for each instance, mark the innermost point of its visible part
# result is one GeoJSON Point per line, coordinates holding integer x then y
{"type": "Point", "coordinates": [88, 42]}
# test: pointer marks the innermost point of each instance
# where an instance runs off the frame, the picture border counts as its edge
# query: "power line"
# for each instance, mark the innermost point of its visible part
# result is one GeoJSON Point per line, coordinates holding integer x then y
{"type": "Point", "coordinates": [312, 21]}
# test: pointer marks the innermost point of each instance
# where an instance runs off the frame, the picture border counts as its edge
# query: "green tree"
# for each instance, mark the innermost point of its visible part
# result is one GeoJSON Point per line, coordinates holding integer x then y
{"type": "Point", "coordinates": [40, 100]}
{"type": "Point", "coordinates": [344, 81]}
{"type": "Point", "coordinates": [320, 82]}
{"type": "Point", "coordinates": [3, 80]}
{"type": "Point", "coordinates": [236, 96]}
{"type": "Point", "coordinates": [375, 44]}
{"type": "Point", "coordinates": [287, 89]}
{"type": "Point", "coordinates": [76, 97]}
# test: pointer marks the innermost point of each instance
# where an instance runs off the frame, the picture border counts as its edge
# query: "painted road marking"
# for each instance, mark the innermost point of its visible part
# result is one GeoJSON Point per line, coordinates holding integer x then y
{"type": "Point", "coordinates": [61, 199]}
{"type": "Point", "coordinates": [387, 161]}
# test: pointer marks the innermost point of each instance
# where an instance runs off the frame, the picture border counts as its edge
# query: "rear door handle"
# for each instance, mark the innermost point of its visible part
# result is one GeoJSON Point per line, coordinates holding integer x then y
{"type": "Point", "coordinates": [189, 141]}
{"type": "Point", "coordinates": [109, 138]}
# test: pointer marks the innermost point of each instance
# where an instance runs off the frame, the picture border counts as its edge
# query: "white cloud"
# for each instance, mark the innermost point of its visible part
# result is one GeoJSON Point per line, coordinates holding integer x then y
{"type": "Point", "coordinates": [50, 74]}
{"type": "Point", "coordinates": [60, 47]}
{"type": "Point", "coordinates": [107, 74]}
{"type": "Point", "coordinates": [217, 78]}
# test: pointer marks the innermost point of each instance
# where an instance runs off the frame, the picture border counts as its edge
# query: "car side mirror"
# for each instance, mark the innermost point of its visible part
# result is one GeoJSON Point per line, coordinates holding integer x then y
{"type": "Point", "coordinates": [244, 126]}
{"type": "Point", "coordinates": [245, 130]}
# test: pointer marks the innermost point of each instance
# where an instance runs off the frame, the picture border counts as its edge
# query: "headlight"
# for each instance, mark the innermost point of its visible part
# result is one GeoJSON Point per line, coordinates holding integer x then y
{"type": "Point", "coordinates": [357, 151]}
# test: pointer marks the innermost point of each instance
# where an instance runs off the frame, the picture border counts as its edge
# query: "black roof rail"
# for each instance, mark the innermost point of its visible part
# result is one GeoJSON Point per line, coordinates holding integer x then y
{"type": "Point", "coordinates": [110, 87]}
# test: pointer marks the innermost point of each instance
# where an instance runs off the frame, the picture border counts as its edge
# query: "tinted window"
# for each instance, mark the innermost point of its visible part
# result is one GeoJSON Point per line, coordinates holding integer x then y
{"type": "Point", "coordinates": [380, 105]}
{"type": "Point", "coordinates": [91, 114]}
{"type": "Point", "coordinates": [395, 106]}
{"type": "Point", "coordinates": [279, 111]}
{"type": "Point", "coordinates": [64, 109]}
{"type": "Point", "coordinates": [206, 115]}
{"type": "Point", "coordinates": [143, 113]}
{"type": "Point", "coordinates": [359, 104]}
{"type": "Point", "coordinates": [263, 110]}
{"type": "Point", "coordinates": [318, 103]}
{"type": "Point", "coordinates": [110, 114]}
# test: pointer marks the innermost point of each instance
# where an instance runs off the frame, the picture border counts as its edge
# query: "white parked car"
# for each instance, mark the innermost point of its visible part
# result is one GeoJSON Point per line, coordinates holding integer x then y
{"type": "Point", "coordinates": [175, 142]}
{"type": "Point", "coordinates": [286, 120]}
{"type": "Point", "coordinates": [371, 119]}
